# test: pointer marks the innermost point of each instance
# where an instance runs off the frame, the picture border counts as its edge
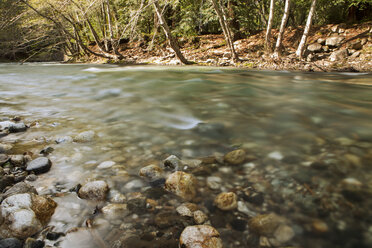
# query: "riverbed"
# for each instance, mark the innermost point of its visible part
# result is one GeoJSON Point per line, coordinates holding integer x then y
{"type": "Point", "coordinates": [307, 139]}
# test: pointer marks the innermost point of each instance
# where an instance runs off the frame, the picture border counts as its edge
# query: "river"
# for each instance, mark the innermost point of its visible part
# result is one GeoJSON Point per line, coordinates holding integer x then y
{"type": "Point", "coordinates": [308, 139]}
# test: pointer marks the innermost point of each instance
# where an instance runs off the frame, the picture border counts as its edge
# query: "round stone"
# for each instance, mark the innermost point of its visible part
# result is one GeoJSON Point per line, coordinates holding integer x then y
{"type": "Point", "coordinates": [200, 236]}
{"type": "Point", "coordinates": [95, 190]}
{"type": "Point", "coordinates": [39, 165]}
{"type": "Point", "coordinates": [181, 184]}
{"type": "Point", "coordinates": [115, 211]}
{"type": "Point", "coordinates": [151, 171]}
{"type": "Point", "coordinates": [200, 217]}
{"type": "Point", "coordinates": [226, 201]}
{"type": "Point", "coordinates": [235, 157]}
{"type": "Point", "coordinates": [106, 165]}
{"type": "Point", "coordinates": [10, 243]}
{"type": "Point", "coordinates": [86, 136]}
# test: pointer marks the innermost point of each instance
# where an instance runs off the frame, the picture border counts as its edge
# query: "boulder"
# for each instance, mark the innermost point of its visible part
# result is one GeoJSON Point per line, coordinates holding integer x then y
{"type": "Point", "coordinates": [334, 41]}
{"type": "Point", "coordinates": [181, 184]}
{"type": "Point", "coordinates": [200, 236]}
{"type": "Point", "coordinates": [95, 190]}
{"type": "Point", "coordinates": [338, 55]}
{"type": "Point", "coordinates": [315, 47]}
{"type": "Point", "coordinates": [39, 165]}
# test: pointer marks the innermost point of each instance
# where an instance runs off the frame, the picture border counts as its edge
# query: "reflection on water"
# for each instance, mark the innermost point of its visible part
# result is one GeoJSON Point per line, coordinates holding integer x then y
{"type": "Point", "coordinates": [308, 132]}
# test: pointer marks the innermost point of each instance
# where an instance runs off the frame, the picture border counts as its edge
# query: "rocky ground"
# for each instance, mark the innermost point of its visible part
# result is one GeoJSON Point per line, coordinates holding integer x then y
{"type": "Point", "coordinates": [330, 48]}
{"type": "Point", "coordinates": [238, 199]}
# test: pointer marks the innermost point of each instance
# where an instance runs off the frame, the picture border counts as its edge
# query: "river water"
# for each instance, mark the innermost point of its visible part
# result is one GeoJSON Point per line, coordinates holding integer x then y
{"type": "Point", "coordinates": [308, 137]}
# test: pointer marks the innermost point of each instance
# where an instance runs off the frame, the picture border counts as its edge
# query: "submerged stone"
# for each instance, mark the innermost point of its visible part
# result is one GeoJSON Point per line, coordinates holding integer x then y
{"type": "Point", "coordinates": [200, 236]}
{"type": "Point", "coordinates": [181, 184]}
{"type": "Point", "coordinates": [86, 136]}
{"type": "Point", "coordinates": [226, 201]}
{"type": "Point", "coordinates": [95, 190]}
{"type": "Point", "coordinates": [235, 157]}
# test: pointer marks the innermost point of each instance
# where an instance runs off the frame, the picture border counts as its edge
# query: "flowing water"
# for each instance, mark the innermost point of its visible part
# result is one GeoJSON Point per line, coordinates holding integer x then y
{"type": "Point", "coordinates": [308, 137]}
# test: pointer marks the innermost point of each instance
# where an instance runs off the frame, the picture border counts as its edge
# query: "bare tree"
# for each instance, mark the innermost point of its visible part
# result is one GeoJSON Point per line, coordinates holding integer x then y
{"type": "Point", "coordinates": [301, 46]}
{"type": "Point", "coordinates": [172, 41]}
{"type": "Point", "coordinates": [278, 45]}
{"type": "Point", "coordinates": [269, 26]}
{"type": "Point", "coordinates": [225, 28]}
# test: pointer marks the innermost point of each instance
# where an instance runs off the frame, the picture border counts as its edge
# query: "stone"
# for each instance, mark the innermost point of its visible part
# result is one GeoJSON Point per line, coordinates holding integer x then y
{"type": "Point", "coordinates": [182, 184]}
{"type": "Point", "coordinates": [186, 209]}
{"type": "Point", "coordinates": [265, 224]}
{"type": "Point", "coordinates": [134, 185]}
{"type": "Point", "coordinates": [275, 155]}
{"type": "Point", "coordinates": [83, 137]}
{"type": "Point", "coordinates": [357, 45]}
{"type": "Point", "coordinates": [214, 182]}
{"type": "Point", "coordinates": [95, 190]}
{"type": "Point", "coordinates": [106, 165]}
{"type": "Point", "coordinates": [334, 41]}
{"type": "Point", "coordinates": [17, 127]}
{"type": "Point", "coordinates": [7, 180]}
{"type": "Point", "coordinates": [5, 148]}
{"type": "Point", "coordinates": [319, 226]}
{"type": "Point", "coordinates": [6, 124]}
{"type": "Point", "coordinates": [351, 184]}
{"type": "Point", "coordinates": [338, 55]}
{"type": "Point", "coordinates": [3, 159]}
{"type": "Point", "coordinates": [43, 207]}
{"type": "Point", "coordinates": [226, 201]}
{"type": "Point", "coordinates": [33, 243]}
{"type": "Point", "coordinates": [200, 236]}
{"type": "Point", "coordinates": [136, 202]}
{"type": "Point", "coordinates": [172, 162]}
{"type": "Point", "coordinates": [117, 197]}
{"type": "Point", "coordinates": [151, 171]}
{"type": "Point", "coordinates": [235, 157]}
{"type": "Point", "coordinates": [282, 235]}
{"type": "Point", "coordinates": [39, 165]}
{"type": "Point", "coordinates": [325, 49]}
{"type": "Point", "coordinates": [64, 139]}
{"type": "Point", "coordinates": [10, 243]}
{"type": "Point", "coordinates": [200, 217]}
{"type": "Point", "coordinates": [115, 211]}
{"type": "Point", "coordinates": [355, 55]}
{"type": "Point", "coordinates": [19, 188]}
{"type": "Point", "coordinates": [17, 160]}
{"type": "Point", "coordinates": [315, 47]}
{"type": "Point", "coordinates": [321, 41]}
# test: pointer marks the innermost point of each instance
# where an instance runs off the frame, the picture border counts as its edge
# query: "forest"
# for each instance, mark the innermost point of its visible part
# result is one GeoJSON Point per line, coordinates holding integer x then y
{"type": "Point", "coordinates": [73, 30]}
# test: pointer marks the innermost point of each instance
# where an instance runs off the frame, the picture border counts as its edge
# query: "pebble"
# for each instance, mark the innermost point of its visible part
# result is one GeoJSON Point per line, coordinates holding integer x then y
{"type": "Point", "coordinates": [282, 235]}
{"type": "Point", "coordinates": [265, 224]}
{"type": "Point", "coordinates": [86, 136]}
{"type": "Point", "coordinates": [319, 226]}
{"type": "Point", "coordinates": [115, 211]}
{"type": "Point", "coordinates": [276, 155]}
{"type": "Point", "coordinates": [235, 157]}
{"type": "Point", "coordinates": [64, 139]}
{"type": "Point", "coordinates": [226, 201]}
{"type": "Point", "coordinates": [10, 243]}
{"type": "Point", "coordinates": [4, 148]}
{"type": "Point", "coordinates": [151, 172]}
{"type": "Point", "coordinates": [200, 236]}
{"type": "Point", "coordinates": [214, 182]}
{"type": "Point", "coordinates": [134, 185]}
{"type": "Point", "coordinates": [17, 160]}
{"type": "Point", "coordinates": [172, 162]}
{"type": "Point", "coordinates": [39, 165]}
{"type": "Point", "coordinates": [33, 243]}
{"type": "Point", "coordinates": [200, 217]}
{"type": "Point", "coordinates": [95, 190]}
{"type": "Point", "coordinates": [186, 209]}
{"type": "Point", "coordinates": [117, 197]}
{"type": "Point", "coordinates": [106, 165]}
{"type": "Point", "coordinates": [182, 184]}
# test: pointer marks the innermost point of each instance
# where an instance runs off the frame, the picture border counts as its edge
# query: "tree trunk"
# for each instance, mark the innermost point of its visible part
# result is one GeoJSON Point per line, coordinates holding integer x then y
{"type": "Point", "coordinates": [301, 46]}
{"type": "Point", "coordinates": [269, 26]}
{"type": "Point", "coordinates": [225, 28]}
{"type": "Point", "coordinates": [172, 42]}
{"type": "Point", "coordinates": [278, 45]}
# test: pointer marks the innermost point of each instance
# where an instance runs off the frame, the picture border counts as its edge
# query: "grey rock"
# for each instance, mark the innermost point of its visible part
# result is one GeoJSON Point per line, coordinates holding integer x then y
{"type": "Point", "coordinates": [17, 160]}
{"type": "Point", "coordinates": [34, 243]}
{"type": "Point", "coordinates": [39, 165]}
{"type": "Point", "coordinates": [86, 136]}
{"type": "Point", "coordinates": [315, 47]}
{"type": "Point", "coordinates": [10, 243]}
{"type": "Point", "coordinates": [95, 190]}
{"type": "Point", "coordinates": [64, 139]}
{"type": "Point", "coordinates": [334, 41]}
{"type": "Point", "coordinates": [134, 185]}
{"type": "Point", "coordinates": [6, 124]}
{"type": "Point", "coordinates": [339, 55]}
{"type": "Point", "coordinates": [19, 188]}
{"type": "Point", "coordinates": [17, 127]}
{"type": "Point", "coordinates": [3, 159]}
{"type": "Point", "coordinates": [4, 148]}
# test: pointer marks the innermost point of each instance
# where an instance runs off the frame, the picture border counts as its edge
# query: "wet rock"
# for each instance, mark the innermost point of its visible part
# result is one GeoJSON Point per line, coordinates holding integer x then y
{"type": "Point", "coordinates": [186, 209]}
{"type": "Point", "coordinates": [200, 217]}
{"type": "Point", "coordinates": [319, 226]}
{"type": "Point", "coordinates": [6, 124]}
{"type": "Point", "coordinates": [83, 137]}
{"type": "Point", "coordinates": [3, 159]}
{"type": "Point", "coordinates": [17, 160]}
{"type": "Point", "coordinates": [334, 41]}
{"type": "Point", "coordinates": [239, 225]}
{"type": "Point", "coordinates": [136, 202]}
{"type": "Point", "coordinates": [5, 148]}
{"type": "Point", "coordinates": [95, 190]}
{"type": "Point", "coordinates": [64, 139]}
{"type": "Point", "coordinates": [20, 188]}
{"type": "Point", "coordinates": [159, 182]}
{"type": "Point", "coordinates": [47, 150]}
{"type": "Point", "coordinates": [357, 45]}
{"type": "Point", "coordinates": [39, 165]}
{"type": "Point", "coordinates": [338, 55]}
{"type": "Point", "coordinates": [151, 172]}
{"type": "Point", "coordinates": [213, 130]}
{"type": "Point", "coordinates": [106, 165]}
{"type": "Point", "coordinates": [54, 235]}
{"type": "Point", "coordinates": [173, 162]}
{"type": "Point", "coordinates": [243, 208]}
{"type": "Point", "coordinates": [282, 235]}
{"type": "Point", "coordinates": [315, 47]}
{"type": "Point", "coordinates": [200, 236]}
{"type": "Point", "coordinates": [25, 214]}
{"type": "Point", "coordinates": [351, 183]}
{"type": "Point", "coordinates": [167, 219]}
{"type": "Point", "coordinates": [355, 55]}
{"type": "Point", "coordinates": [7, 180]}
{"type": "Point", "coordinates": [325, 49]}
{"type": "Point", "coordinates": [214, 182]}
{"type": "Point", "coordinates": [117, 197]}
{"type": "Point", "coordinates": [235, 157]}
{"type": "Point", "coordinates": [265, 224]}
{"type": "Point", "coordinates": [10, 243]}
{"type": "Point", "coordinates": [226, 201]}
{"type": "Point", "coordinates": [181, 184]}
{"type": "Point", "coordinates": [275, 155]}
{"type": "Point", "coordinates": [115, 211]}
{"type": "Point", "coordinates": [134, 185]}
{"type": "Point", "coordinates": [17, 127]}
{"type": "Point", "coordinates": [34, 243]}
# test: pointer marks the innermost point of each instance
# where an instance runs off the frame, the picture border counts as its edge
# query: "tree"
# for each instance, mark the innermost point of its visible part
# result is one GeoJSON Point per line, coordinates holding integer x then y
{"type": "Point", "coordinates": [282, 27]}
{"type": "Point", "coordinates": [301, 46]}
{"type": "Point", "coordinates": [269, 26]}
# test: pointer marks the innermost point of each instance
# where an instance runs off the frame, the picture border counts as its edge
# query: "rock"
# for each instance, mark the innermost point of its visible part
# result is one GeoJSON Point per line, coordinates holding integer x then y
{"type": "Point", "coordinates": [226, 201]}
{"type": "Point", "coordinates": [4, 148]}
{"type": "Point", "coordinates": [319, 226]}
{"type": "Point", "coordinates": [351, 184]}
{"type": "Point", "coordinates": [275, 155]}
{"type": "Point", "coordinates": [355, 55]}
{"type": "Point", "coordinates": [321, 41]}
{"type": "Point", "coordinates": [17, 127]}
{"type": "Point", "coordinates": [265, 224]}
{"type": "Point", "coordinates": [19, 188]}
{"type": "Point", "coordinates": [357, 45]}
{"type": "Point", "coordinates": [17, 160]}
{"type": "Point", "coordinates": [115, 211]}
{"type": "Point", "coordinates": [200, 217]}
{"type": "Point", "coordinates": [151, 172]}
{"type": "Point", "coordinates": [33, 243]}
{"type": "Point", "coordinates": [325, 49]}
{"type": "Point", "coordinates": [10, 243]}
{"type": "Point", "coordinates": [173, 162]}
{"type": "Point", "coordinates": [6, 124]}
{"type": "Point", "coordinates": [39, 165]}
{"type": "Point", "coordinates": [187, 209]}
{"type": "Point", "coordinates": [338, 55]}
{"type": "Point", "coordinates": [214, 182]}
{"type": "Point", "coordinates": [64, 139]}
{"type": "Point", "coordinates": [200, 236]}
{"type": "Point", "coordinates": [335, 29]}
{"type": "Point", "coordinates": [83, 137]}
{"type": "Point", "coordinates": [315, 47]}
{"type": "Point", "coordinates": [117, 197]}
{"type": "Point", "coordinates": [181, 184]}
{"type": "Point", "coordinates": [106, 165]}
{"type": "Point", "coordinates": [6, 181]}
{"type": "Point", "coordinates": [3, 159]}
{"type": "Point", "coordinates": [235, 157]}
{"type": "Point", "coordinates": [334, 41]}
{"type": "Point", "coordinates": [134, 185]}
{"type": "Point", "coordinates": [25, 214]}
{"type": "Point", "coordinates": [136, 202]}
{"type": "Point", "coordinates": [282, 235]}
{"type": "Point", "coordinates": [95, 190]}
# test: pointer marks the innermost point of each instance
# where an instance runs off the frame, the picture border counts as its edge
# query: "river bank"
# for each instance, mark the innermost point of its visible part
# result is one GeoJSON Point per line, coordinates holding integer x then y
{"type": "Point", "coordinates": [331, 48]}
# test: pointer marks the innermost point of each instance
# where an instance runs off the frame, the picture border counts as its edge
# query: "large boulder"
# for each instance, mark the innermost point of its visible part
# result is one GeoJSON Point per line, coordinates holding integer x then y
{"type": "Point", "coordinates": [23, 215]}
{"type": "Point", "coordinates": [334, 41]}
